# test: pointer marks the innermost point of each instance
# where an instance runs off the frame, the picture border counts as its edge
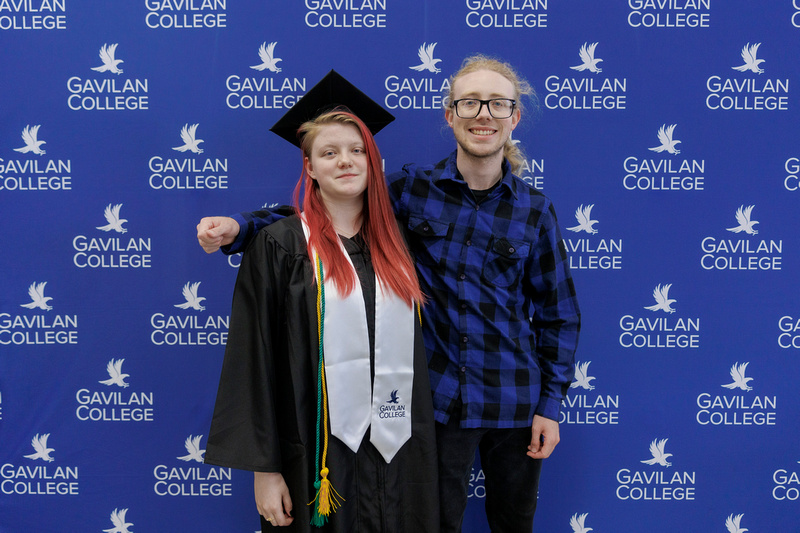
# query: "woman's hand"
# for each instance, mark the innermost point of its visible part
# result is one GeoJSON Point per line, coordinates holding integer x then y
{"type": "Point", "coordinates": [272, 498]}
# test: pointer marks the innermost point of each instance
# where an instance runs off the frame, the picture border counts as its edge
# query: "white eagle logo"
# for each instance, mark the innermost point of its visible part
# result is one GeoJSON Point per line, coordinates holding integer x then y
{"type": "Point", "coordinates": [588, 60]}
{"type": "Point", "coordinates": [657, 451]}
{"type": "Point", "coordinates": [585, 222]}
{"type": "Point", "coordinates": [425, 54]}
{"type": "Point", "coordinates": [32, 143]}
{"type": "Point", "coordinates": [192, 300]}
{"type": "Point", "coordinates": [118, 519]}
{"type": "Point", "coordinates": [109, 63]}
{"type": "Point", "coordinates": [117, 377]}
{"type": "Point", "coordinates": [112, 217]}
{"type": "Point", "coordinates": [268, 60]}
{"type": "Point", "coordinates": [193, 447]}
{"type": "Point", "coordinates": [38, 299]}
{"type": "Point", "coordinates": [733, 524]}
{"type": "Point", "coordinates": [39, 444]}
{"type": "Point", "coordinates": [666, 140]}
{"type": "Point", "coordinates": [577, 522]}
{"type": "Point", "coordinates": [743, 217]}
{"type": "Point", "coordinates": [190, 141]}
{"type": "Point", "coordinates": [751, 62]}
{"type": "Point", "coordinates": [582, 377]}
{"type": "Point", "coordinates": [740, 381]}
{"type": "Point", "coordinates": [663, 301]}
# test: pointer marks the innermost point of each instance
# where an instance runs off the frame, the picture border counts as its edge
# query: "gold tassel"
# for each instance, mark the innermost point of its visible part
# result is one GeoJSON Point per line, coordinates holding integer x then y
{"type": "Point", "coordinates": [326, 501]}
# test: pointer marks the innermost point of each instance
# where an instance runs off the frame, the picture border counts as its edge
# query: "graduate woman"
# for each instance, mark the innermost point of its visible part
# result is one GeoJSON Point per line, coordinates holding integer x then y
{"type": "Point", "coordinates": [324, 392]}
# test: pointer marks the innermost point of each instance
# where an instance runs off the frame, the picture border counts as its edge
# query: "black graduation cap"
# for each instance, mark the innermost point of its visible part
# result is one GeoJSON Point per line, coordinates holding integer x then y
{"type": "Point", "coordinates": [330, 92]}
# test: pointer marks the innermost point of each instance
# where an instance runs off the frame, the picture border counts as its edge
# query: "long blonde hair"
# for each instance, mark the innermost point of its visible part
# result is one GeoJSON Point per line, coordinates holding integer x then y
{"type": "Point", "coordinates": [477, 62]}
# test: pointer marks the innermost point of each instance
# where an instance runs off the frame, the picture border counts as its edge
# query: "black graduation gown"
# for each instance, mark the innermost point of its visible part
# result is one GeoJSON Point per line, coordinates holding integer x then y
{"type": "Point", "coordinates": [265, 413]}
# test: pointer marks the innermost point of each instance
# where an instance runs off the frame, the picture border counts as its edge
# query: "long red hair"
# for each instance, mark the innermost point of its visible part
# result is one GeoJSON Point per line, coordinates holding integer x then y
{"type": "Point", "coordinates": [390, 258]}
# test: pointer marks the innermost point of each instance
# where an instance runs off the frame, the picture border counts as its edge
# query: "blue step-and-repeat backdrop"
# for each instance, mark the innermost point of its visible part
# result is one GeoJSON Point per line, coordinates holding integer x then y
{"type": "Point", "coordinates": [665, 131]}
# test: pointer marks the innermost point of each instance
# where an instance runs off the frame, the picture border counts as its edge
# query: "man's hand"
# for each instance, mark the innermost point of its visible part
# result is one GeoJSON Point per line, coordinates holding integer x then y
{"type": "Point", "coordinates": [544, 437]}
{"type": "Point", "coordinates": [214, 232]}
{"type": "Point", "coordinates": [272, 498]}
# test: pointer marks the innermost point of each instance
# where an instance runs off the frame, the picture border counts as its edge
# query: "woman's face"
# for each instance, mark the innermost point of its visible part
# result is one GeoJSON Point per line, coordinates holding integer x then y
{"type": "Point", "coordinates": [338, 163]}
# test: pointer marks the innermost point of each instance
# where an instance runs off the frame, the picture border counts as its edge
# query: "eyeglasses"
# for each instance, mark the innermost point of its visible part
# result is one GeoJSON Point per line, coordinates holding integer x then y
{"type": "Point", "coordinates": [471, 107]}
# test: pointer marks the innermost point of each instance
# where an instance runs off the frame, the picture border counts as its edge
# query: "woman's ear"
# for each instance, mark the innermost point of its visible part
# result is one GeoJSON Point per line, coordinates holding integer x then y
{"type": "Point", "coordinates": [309, 168]}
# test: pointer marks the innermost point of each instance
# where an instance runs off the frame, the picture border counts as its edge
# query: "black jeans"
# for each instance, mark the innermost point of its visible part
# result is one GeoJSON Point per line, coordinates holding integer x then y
{"type": "Point", "coordinates": [512, 478]}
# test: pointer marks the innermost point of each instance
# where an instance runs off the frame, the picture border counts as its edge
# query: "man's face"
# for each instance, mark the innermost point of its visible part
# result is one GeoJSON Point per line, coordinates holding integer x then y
{"type": "Point", "coordinates": [484, 135]}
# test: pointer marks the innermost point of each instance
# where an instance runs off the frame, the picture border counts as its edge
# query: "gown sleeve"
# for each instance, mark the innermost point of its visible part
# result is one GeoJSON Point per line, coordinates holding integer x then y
{"type": "Point", "coordinates": [244, 429]}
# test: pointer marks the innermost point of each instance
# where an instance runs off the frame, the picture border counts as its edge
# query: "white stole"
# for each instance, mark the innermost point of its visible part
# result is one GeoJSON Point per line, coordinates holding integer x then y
{"type": "Point", "coordinates": [355, 403]}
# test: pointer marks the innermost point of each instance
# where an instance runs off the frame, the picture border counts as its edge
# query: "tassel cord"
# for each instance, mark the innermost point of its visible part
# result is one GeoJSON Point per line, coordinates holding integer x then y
{"type": "Point", "coordinates": [327, 499]}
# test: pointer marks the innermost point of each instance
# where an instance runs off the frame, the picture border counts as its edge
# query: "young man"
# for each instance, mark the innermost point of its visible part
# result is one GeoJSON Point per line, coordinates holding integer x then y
{"type": "Point", "coordinates": [502, 320]}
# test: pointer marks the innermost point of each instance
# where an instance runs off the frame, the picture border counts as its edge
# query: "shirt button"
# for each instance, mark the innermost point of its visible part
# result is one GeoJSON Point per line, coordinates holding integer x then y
{"type": "Point", "coordinates": [464, 339]}
{"type": "Point", "coordinates": [462, 277]}
{"type": "Point", "coordinates": [463, 369]}
{"type": "Point", "coordinates": [463, 305]}
{"type": "Point", "coordinates": [468, 243]}
{"type": "Point", "coordinates": [511, 250]}
{"type": "Point", "coordinates": [426, 228]}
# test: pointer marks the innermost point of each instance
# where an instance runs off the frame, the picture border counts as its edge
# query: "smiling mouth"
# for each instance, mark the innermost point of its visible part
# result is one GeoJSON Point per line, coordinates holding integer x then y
{"type": "Point", "coordinates": [479, 131]}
